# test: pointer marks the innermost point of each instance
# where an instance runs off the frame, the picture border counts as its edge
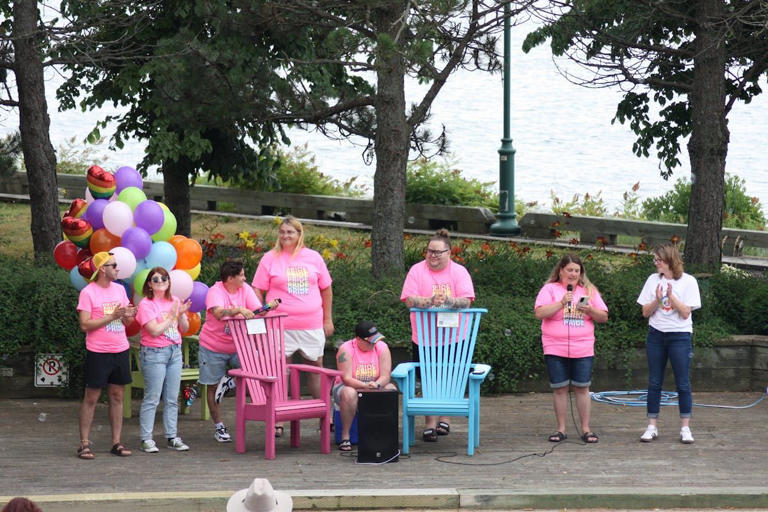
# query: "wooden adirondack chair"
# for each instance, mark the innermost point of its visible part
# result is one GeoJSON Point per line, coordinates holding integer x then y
{"type": "Point", "coordinates": [189, 375]}
{"type": "Point", "coordinates": [263, 378]}
{"type": "Point", "coordinates": [446, 346]}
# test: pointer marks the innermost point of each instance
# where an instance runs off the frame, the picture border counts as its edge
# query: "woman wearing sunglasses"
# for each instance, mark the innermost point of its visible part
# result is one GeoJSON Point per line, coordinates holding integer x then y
{"type": "Point", "coordinates": [162, 318]}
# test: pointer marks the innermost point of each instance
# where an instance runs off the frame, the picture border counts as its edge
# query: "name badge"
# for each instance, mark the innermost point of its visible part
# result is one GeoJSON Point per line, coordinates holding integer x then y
{"type": "Point", "coordinates": [447, 319]}
{"type": "Point", "coordinates": [256, 326]}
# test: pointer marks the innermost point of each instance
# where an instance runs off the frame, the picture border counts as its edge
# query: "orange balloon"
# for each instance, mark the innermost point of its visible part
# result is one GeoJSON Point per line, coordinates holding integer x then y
{"type": "Point", "coordinates": [103, 240]}
{"type": "Point", "coordinates": [175, 240]}
{"type": "Point", "coordinates": [194, 323]}
{"type": "Point", "coordinates": [188, 254]}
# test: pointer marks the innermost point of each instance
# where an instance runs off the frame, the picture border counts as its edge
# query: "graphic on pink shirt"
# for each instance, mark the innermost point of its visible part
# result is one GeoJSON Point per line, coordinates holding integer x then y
{"type": "Point", "coordinates": [158, 309]}
{"type": "Point", "coordinates": [297, 280]}
{"type": "Point", "coordinates": [367, 372]}
{"type": "Point", "coordinates": [572, 316]}
{"type": "Point", "coordinates": [442, 289]}
{"type": "Point", "coordinates": [115, 325]}
{"type": "Point", "coordinates": [215, 333]}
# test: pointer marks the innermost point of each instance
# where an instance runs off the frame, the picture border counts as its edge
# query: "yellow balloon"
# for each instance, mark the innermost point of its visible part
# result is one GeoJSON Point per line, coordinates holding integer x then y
{"type": "Point", "coordinates": [194, 272]}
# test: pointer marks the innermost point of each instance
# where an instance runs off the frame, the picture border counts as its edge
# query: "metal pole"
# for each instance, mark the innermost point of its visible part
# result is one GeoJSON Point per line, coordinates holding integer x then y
{"type": "Point", "coordinates": [506, 223]}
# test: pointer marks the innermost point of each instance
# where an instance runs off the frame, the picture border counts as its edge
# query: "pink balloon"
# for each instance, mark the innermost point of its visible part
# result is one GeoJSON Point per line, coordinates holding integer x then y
{"type": "Point", "coordinates": [126, 262]}
{"type": "Point", "coordinates": [181, 284]}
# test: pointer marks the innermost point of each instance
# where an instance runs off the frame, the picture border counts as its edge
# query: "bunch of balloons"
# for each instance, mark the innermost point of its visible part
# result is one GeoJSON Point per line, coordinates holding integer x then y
{"type": "Point", "coordinates": [116, 216]}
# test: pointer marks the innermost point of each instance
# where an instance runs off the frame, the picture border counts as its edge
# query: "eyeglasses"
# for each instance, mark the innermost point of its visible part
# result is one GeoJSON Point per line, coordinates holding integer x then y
{"type": "Point", "coordinates": [658, 260]}
{"type": "Point", "coordinates": [433, 252]}
{"type": "Point", "coordinates": [113, 265]}
{"type": "Point", "coordinates": [159, 279]}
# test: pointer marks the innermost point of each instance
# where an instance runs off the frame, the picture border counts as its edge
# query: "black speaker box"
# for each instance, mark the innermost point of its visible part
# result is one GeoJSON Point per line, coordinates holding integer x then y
{"type": "Point", "coordinates": [377, 426]}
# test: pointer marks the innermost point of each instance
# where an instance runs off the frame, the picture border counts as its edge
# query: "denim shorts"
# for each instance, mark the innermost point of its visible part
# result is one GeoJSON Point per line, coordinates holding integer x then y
{"type": "Point", "coordinates": [576, 371]}
{"type": "Point", "coordinates": [213, 365]}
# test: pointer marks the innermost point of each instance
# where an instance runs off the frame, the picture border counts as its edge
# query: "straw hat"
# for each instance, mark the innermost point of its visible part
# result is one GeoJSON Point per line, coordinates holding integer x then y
{"type": "Point", "coordinates": [260, 497]}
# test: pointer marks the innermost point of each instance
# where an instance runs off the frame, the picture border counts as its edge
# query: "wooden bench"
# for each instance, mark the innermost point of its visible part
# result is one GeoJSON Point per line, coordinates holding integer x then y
{"type": "Point", "coordinates": [605, 231]}
{"type": "Point", "coordinates": [188, 375]}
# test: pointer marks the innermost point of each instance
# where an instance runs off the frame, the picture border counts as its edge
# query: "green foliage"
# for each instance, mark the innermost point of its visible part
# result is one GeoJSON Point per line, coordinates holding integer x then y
{"type": "Point", "coordinates": [586, 204]}
{"type": "Point", "coordinates": [741, 210]}
{"type": "Point", "coordinates": [10, 154]}
{"type": "Point", "coordinates": [38, 305]}
{"type": "Point", "coordinates": [507, 278]}
{"type": "Point", "coordinates": [433, 182]}
{"type": "Point", "coordinates": [72, 158]}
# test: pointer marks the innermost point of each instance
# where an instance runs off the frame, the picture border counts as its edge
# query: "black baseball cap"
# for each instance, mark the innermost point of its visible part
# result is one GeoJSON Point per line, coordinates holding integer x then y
{"type": "Point", "coordinates": [368, 331]}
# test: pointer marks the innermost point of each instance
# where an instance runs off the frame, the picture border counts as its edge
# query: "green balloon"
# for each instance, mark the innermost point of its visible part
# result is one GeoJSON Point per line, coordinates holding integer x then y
{"type": "Point", "coordinates": [132, 196]}
{"type": "Point", "coordinates": [138, 281]}
{"type": "Point", "coordinates": [168, 230]}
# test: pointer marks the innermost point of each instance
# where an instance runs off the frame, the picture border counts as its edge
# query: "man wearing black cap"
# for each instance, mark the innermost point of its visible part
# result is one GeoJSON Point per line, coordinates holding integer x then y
{"type": "Point", "coordinates": [365, 364]}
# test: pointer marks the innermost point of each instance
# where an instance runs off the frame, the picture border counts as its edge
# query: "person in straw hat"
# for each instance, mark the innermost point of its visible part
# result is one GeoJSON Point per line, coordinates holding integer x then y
{"type": "Point", "coordinates": [260, 497]}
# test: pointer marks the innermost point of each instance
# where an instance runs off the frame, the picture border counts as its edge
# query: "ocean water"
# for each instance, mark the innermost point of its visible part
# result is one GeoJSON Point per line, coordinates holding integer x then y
{"type": "Point", "coordinates": [564, 140]}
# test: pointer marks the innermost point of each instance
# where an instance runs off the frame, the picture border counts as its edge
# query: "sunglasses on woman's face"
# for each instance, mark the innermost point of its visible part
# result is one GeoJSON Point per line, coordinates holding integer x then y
{"type": "Point", "coordinates": [159, 279]}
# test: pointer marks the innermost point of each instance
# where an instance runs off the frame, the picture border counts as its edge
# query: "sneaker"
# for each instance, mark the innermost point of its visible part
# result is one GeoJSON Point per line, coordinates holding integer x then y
{"type": "Point", "coordinates": [177, 444]}
{"type": "Point", "coordinates": [222, 435]}
{"type": "Point", "coordinates": [149, 446]}
{"type": "Point", "coordinates": [651, 433]}
{"type": "Point", "coordinates": [686, 437]}
{"type": "Point", "coordinates": [225, 384]}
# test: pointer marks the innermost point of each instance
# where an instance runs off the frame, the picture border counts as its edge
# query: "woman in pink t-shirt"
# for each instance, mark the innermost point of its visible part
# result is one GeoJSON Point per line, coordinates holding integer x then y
{"type": "Point", "coordinates": [298, 277]}
{"type": "Point", "coordinates": [163, 319]}
{"type": "Point", "coordinates": [365, 364]}
{"type": "Point", "coordinates": [568, 305]}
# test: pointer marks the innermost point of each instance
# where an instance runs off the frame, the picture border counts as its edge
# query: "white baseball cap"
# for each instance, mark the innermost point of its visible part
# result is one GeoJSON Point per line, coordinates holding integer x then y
{"type": "Point", "coordinates": [260, 497]}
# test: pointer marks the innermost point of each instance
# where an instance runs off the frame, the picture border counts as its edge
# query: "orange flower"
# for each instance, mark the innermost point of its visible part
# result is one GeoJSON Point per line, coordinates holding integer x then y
{"type": "Point", "coordinates": [368, 243]}
{"type": "Point", "coordinates": [574, 241]}
{"type": "Point", "coordinates": [486, 247]}
{"type": "Point", "coordinates": [456, 249]}
{"type": "Point", "coordinates": [566, 214]}
{"type": "Point", "coordinates": [556, 233]}
{"type": "Point", "coordinates": [589, 257]}
{"type": "Point", "coordinates": [466, 241]}
{"type": "Point", "coordinates": [341, 256]}
{"type": "Point", "coordinates": [674, 239]}
{"type": "Point", "coordinates": [548, 254]}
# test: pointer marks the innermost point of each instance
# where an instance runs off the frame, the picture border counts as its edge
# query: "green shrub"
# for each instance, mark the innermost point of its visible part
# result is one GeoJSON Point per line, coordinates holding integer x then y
{"type": "Point", "coordinates": [741, 210]}
{"type": "Point", "coordinates": [432, 182]}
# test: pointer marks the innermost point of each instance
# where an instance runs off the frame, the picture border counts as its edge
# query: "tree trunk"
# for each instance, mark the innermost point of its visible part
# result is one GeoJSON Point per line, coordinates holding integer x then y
{"type": "Point", "coordinates": [39, 158]}
{"type": "Point", "coordinates": [708, 145]}
{"type": "Point", "coordinates": [391, 145]}
{"type": "Point", "coordinates": [176, 190]}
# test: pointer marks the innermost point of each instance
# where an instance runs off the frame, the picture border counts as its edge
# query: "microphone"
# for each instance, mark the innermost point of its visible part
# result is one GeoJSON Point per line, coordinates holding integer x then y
{"type": "Point", "coordinates": [570, 289]}
{"type": "Point", "coordinates": [270, 306]}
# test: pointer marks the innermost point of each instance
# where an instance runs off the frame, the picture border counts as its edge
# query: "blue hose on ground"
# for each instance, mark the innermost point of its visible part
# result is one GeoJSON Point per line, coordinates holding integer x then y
{"type": "Point", "coordinates": [638, 398]}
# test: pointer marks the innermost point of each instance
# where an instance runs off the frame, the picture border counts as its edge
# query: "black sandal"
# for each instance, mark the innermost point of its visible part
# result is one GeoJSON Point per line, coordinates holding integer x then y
{"type": "Point", "coordinates": [85, 452]}
{"type": "Point", "coordinates": [279, 431]}
{"type": "Point", "coordinates": [589, 437]}
{"type": "Point", "coordinates": [345, 445]}
{"type": "Point", "coordinates": [558, 437]}
{"type": "Point", "coordinates": [429, 435]}
{"type": "Point", "coordinates": [120, 450]}
{"type": "Point", "coordinates": [443, 429]}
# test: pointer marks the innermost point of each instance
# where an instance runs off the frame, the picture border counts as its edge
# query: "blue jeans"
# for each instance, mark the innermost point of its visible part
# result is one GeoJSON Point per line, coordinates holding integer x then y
{"type": "Point", "coordinates": [162, 377]}
{"type": "Point", "coordinates": [677, 347]}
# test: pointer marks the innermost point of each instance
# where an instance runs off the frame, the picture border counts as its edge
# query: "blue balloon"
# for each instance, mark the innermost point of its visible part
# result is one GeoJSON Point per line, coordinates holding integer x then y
{"type": "Point", "coordinates": [76, 279]}
{"type": "Point", "coordinates": [162, 254]}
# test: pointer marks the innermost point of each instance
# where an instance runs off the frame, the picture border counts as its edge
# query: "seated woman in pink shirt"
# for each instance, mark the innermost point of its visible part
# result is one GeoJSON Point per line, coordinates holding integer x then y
{"type": "Point", "coordinates": [568, 305]}
{"type": "Point", "coordinates": [298, 277]}
{"type": "Point", "coordinates": [365, 364]}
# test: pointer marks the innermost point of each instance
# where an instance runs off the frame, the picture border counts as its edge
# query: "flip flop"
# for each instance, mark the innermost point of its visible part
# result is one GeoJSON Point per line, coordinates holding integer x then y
{"type": "Point", "coordinates": [120, 450]}
{"type": "Point", "coordinates": [443, 429]}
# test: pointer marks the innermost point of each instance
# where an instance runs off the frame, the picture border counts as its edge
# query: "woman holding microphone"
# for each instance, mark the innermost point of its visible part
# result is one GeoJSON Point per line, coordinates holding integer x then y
{"type": "Point", "coordinates": [568, 305]}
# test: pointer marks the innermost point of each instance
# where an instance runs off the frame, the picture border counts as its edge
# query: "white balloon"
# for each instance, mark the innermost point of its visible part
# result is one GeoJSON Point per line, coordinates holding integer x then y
{"type": "Point", "coordinates": [181, 284]}
{"type": "Point", "coordinates": [126, 262]}
{"type": "Point", "coordinates": [117, 217]}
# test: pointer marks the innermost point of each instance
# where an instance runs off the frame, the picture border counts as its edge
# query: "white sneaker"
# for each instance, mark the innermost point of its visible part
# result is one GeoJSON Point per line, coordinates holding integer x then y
{"type": "Point", "coordinates": [177, 444]}
{"type": "Point", "coordinates": [222, 435]}
{"type": "Point", "coordinates": [225, 384]}
{"type": "Point", "coordinates": [686, 437]}
{"type": "Point", "coordinates": [651, 433]}
{"type": "Point", "coordinates": [149, 446]}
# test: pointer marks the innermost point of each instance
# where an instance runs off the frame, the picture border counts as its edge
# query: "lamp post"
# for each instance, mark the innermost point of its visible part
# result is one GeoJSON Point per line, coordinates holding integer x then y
{"type": "Point", "coordinates": [505, 220]}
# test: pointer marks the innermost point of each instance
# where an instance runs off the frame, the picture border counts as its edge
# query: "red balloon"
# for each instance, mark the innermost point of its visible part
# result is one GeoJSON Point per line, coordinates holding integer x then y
{"type": "Point", "coordinates": [133, 328]}
{"type": "Point", "coordinates": [82, 255]}
{"type": "Point", "coordinates": [65, 254]}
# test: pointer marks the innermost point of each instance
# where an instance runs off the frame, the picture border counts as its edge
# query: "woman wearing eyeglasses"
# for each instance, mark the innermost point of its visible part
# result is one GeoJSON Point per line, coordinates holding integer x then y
{"type": "Point", "coordinates": [668, 298]}
{"type": "Point", "coordinates": [162, 318]}
{"type": "Point", "coordinates": [437, 281]}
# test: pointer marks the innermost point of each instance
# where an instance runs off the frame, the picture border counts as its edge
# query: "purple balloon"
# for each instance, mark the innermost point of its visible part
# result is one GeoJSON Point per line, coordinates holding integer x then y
{"type": "Point", "coordinates": [95, 213]}
{"type": "Point", "coordinates": [137, 241]}
{"type": "Point", "coordinates": [127, 177]}
{"type": "Point", "coordinates": [149, 216]}
{"type": "Point", "coordinates": [199, 292]}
